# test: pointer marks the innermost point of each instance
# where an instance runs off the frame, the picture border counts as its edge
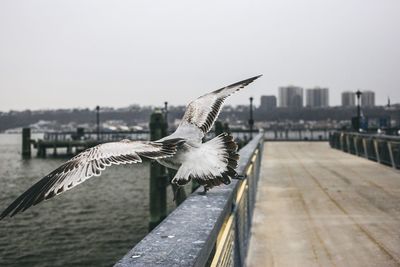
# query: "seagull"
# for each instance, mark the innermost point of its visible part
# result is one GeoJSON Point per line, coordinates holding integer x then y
{"type": "Point", "coordinates": [210, 163]}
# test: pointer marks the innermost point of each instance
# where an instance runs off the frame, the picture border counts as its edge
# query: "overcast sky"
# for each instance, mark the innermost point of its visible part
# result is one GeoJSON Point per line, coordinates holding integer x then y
{"type": "Point", "coordinates": [64, 54]}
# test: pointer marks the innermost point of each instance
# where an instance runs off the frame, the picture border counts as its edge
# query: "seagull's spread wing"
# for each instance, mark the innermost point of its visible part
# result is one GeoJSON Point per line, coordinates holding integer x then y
{"type": "Point", "coordinates": [87, 164]}
{"type": "Point", "coordinates": [203, 111]}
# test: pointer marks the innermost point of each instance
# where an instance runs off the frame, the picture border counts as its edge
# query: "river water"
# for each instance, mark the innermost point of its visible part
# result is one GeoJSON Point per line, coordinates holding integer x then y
{"type": "Point", "coordinates": [94, 224]}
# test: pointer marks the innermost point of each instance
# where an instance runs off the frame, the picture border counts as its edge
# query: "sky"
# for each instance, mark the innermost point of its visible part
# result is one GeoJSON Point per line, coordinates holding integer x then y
{"type": "Point", "coordinates": [78, 54]}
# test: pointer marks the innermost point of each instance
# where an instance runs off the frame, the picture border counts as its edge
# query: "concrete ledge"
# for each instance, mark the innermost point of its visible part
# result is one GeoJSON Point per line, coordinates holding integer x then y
{"type": "Point", "coordinates": [187, 236]}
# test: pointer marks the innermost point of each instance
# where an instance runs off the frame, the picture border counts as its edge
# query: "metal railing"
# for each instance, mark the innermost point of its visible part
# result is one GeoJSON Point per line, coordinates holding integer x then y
{"type": "Point", "coordinates": [206, 230]}
{"type": "Point", "coordinates": [118, 135]}
{"type": "Point", "coordinates": [92, 135]}
{"type": "Point", "coordinates": [380, 148]}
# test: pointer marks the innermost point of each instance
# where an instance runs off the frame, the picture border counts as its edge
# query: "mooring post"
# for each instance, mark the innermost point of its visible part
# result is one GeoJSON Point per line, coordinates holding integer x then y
{"type": "Point", "coordinates": [26, 142]}
{"type": "Point", "coordinates": [80, 133]}
{"type": "Point", "coordinates": [41, 149]}
{"type": "Point", "coordinates": [158, 177]}
{"type": "Point", "coordinates": [69, 150]}
{"type": "Point", "coordinates": [54, 150]}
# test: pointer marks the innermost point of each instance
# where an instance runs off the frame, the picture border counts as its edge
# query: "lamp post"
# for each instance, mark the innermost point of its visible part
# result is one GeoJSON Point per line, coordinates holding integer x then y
{"type": "Point", "coordinates": [98, 122]}
{"type": "Point", "coordinates": [166, 111]}
{"type": "Point", "coordinates": [251, 120]}
{"type": "Point", "coordinates": [358, 94]}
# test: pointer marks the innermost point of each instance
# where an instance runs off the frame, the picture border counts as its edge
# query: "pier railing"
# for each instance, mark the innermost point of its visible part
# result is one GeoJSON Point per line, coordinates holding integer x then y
{"type": "Point", "coordinates": [384, 149]}
{"type": "Point", "coordinates": [108, 136]}
{"type": "Point", "coordinates": [291, 134]}
{"type": "Point", "coordinates": [93, 135]}
{"type": "Point", "coordinates": [206, 230]}
{"type": "Point", "coordinates": [72, 142]}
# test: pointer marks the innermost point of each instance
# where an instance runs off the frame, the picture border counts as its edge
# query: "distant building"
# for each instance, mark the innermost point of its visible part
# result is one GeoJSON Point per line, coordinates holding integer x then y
{"type": "Point", "coordinates": [291, 97]}
{"type": "Point", "coordinates": [368, 99]}
{"type": "Point", "coordinates": [268, 102]}
{"type": "Point", "coordinates": [317, 97]}
{"type": "Point", "coordinates": [348, 99]}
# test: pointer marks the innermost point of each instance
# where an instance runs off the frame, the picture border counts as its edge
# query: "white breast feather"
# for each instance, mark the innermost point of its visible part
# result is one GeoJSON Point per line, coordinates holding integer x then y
{"type": "Point", "coordinates": [207, 160]}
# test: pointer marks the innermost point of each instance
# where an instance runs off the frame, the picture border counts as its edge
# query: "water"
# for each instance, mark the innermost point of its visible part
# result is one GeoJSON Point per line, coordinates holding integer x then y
{"type": "Point", "coordinates": [94, 224]}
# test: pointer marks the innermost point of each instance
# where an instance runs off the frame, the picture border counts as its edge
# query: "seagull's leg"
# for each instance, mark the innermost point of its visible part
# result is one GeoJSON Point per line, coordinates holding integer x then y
{"type": "Point", "coordinates": [176, 190]}
{"type": "Point", "coordinates": [240, 177]}
{"type": "Point", "coordinates": [206, 188]}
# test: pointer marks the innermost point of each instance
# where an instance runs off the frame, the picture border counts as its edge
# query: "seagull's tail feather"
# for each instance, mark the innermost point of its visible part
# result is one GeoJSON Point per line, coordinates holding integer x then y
{"type": "Point", "coordinates": [231, 162]}
{"type": "Point", "coordinates": [212, 164]}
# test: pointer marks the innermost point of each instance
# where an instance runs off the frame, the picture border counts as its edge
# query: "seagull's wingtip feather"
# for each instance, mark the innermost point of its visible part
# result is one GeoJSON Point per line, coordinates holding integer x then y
{"type": "Point", "coordinates": [256, 77]}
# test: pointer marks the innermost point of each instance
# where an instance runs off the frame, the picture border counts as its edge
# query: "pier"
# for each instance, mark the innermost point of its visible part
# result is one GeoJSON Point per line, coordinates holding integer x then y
{"type": "Point", "coordinates": [70, 143]}
{"type": "Point", "coordinates": [301, 204]}
{"type": "Point", "coordinates": [317, 206]}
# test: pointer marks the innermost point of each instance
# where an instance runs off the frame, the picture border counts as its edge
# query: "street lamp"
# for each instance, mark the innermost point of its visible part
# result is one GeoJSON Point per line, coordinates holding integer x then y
{"type": "Point", "coordinates": [98, 122]}
{"type": "Point", "coordinates": [166, 111]}
{"type": "Point", "coordinates": [358, 94]}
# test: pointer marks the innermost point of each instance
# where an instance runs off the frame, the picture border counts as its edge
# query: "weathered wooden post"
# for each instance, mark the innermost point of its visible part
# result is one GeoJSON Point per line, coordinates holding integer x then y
{"type": "Point", "coordinates": [54, 150]}
{"type": "Point", "coordinates": [158, 177]}
{"type": "Point", "coordinates": [69, 150]}
{"type": "Point", "coordinates": [41, 149]}
{"type": "Point", "coordinates": [80, 132]}
{"type": "Point", "coordinates": [26, 142]}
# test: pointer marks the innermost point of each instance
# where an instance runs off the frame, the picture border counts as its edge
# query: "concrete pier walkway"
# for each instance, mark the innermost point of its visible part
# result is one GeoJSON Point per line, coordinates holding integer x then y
{"type": "Point", "coordinates": [317, 206]}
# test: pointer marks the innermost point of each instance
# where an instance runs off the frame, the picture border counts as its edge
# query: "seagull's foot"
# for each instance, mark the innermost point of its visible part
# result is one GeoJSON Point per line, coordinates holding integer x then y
{"type": "Point", "coordinates": [176, 190]}
{"type": "Point", "coordinates": [205, 190]}
{"type": "Point", "coordinates": [239, 177]}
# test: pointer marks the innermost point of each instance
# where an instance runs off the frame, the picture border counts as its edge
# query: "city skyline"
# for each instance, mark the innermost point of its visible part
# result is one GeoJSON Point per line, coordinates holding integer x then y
{"type": "Point", "coordinates": [348, 99]}
{"type": "Point", "coordinates": [317, 97]}
{"type": "Point", "coordinates": [257, 101]}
